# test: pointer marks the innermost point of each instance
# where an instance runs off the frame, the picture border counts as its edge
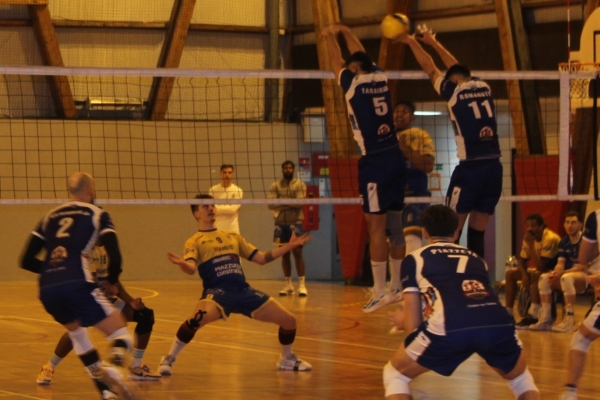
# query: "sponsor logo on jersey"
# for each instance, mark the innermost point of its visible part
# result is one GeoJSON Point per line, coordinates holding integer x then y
{"type": "Point", "coordinates": [384, 129]}
{"type": "Point", "coordinates": [223, 248]}
{"type": "Point", "coordinates": [58, 255]}
{"type": "Point", "coordinates": [474, 289]}
{"type": "Point", "coordinates": [486, 132]}
{"type": "Point", "coordinates": [187, 251]}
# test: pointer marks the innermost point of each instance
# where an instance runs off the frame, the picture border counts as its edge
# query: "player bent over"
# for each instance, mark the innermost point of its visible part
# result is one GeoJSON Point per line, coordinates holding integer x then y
{"type": "Point", "coordinates": [466, 316]}
{"type": "Point", "coordinates": [216, 256]}
{"type": "Point", "coordinates": [132, 309]}
{"type": "Point", "coordinates": [68, 234]}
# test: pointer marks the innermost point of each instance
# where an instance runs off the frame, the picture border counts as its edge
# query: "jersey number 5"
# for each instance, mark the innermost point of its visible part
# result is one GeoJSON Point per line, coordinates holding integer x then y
{"type": "Point", "coordinates": [381, 107]}
{"type": "Point", "coordinates": [65, 224]}
{"type": "Point", "coordinates": [485, 105]}
{"type": "Point", "coordinates": [462, 263]}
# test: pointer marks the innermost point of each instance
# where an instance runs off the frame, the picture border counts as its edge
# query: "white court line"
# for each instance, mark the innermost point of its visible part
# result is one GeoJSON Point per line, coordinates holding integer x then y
{"type": "Point", "coordinates": [154, 292]}
{"type": "Point", "coordinates": [21, 395]}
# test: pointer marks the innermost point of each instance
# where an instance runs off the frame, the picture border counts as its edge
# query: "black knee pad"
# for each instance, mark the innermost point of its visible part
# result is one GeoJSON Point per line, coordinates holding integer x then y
{"type": "Point", "coordinates": [194, 322]}
{"type": "Point", "coordinates": [144, 319]}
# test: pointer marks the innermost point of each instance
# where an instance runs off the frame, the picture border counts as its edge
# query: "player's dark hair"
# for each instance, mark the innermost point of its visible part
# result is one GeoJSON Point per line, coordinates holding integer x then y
{"type": "Point", "coordinates": [200, 196]}
{"type": "Point", "coordinates": [439, 221]}
{"type": "Point", "coordinates": [364, 61]}
{"type": "Point", "coordinates": [535, 217]}
{"type": "Point", "coordinates": [407, 103]}
{"type": "Point", "coordinates": [573, 214]}
{"type": "Point", "coordinates": [224, 166]}
{"type": "Point", "coordinates": [458, 69]}
{"type": "Point", "coordinates": [288, 162]}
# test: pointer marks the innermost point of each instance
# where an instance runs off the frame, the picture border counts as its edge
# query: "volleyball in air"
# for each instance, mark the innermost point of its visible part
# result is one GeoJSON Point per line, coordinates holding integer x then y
{"type": "Point", "coordinates": [395, 26]}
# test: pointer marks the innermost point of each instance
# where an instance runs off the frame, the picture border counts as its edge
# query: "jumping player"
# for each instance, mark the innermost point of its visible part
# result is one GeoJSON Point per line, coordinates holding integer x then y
{"type": "Point", "coordinates": [133, 309]}
{"type": "Point", "coordinates": [464, 315]}
{"type": "Point", "coordinates": [68, 234]}
{"type": "Point", "coordinates": [476, 182]}
{"type": "Point", "coordinates": [589, 330]}
{"type": "Point", "coordinates": [215, 255]}
{"type": "Point", "coordinates": [382, 167]}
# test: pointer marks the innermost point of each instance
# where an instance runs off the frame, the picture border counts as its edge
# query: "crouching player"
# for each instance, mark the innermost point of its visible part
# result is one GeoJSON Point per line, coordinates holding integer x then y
{"type": "Point", "coordinates": [466, 316]}
{"type": "Point", "coordinates": [131, 308]}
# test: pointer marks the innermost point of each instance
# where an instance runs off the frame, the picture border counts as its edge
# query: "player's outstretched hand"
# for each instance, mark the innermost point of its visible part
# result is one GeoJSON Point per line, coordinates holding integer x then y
{"type": "Point", "coordinates": [594, 280]}
{"type": "Point", "coordinates": [175, 259]}
{"type": "Point", "coordinates": [296, 241]}
{"type": "Point", "coordinates": [426, 35]}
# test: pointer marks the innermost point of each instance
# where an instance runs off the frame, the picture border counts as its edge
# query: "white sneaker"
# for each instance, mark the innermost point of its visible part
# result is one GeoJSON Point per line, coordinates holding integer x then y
{"type": "Point", "coordinates": [302, 292]}
{"type": "Point", "coordinates": [566, 326]}
{"type": "Point", "coordinates": [376, 302]}
{"type": "Point", "coordinates": [45, 375]}
{"type": "Point", "coordinates": [541, 326]}
{"type": "Point", "coordinates": [569, 394]}
{"type": "Point", "coordinates": [112, 377]}
{"type": "Point", "coordinates": [287, 290]}
{"type": "Point", "coordinates": [165, 367]}
{"type": "Point", "coordinates": [143, 373]}
{"type": "Point", "coordinates": [293, 363]}
{"type": "Point", "coordinates": [108, 395]}
{"type": "Point", "coordinates": [117, 356]}
{"type": "Point", "coordinates": [395, 295]}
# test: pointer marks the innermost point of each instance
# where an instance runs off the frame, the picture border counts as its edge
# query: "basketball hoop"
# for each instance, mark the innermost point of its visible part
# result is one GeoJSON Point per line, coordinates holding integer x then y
{"type": "Point", "coordinates": [580, 87]}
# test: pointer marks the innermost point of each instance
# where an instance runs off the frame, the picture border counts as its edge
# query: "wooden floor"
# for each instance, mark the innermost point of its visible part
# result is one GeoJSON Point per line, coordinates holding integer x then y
{"type": "Point", "coordinates": [236, 359]}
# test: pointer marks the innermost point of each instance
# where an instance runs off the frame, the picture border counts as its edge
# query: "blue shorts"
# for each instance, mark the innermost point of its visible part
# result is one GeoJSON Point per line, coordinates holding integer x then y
{"type": "Point", "coordinates": [283, 233]}
{"type": "Point", "coordinates": [411, 215]}
{"type": "Point", "coordinates": [498, 346]}
{"type": "Point", "coordinates": [76, 301]}
{"type": "Point", "coordinates": [381, 181]}
{"type": "Point", "coordinates": [592, 321]}
{"type": "Point", "coordinates": [246, 301]}
{"type": "Point", "coordinates": [475, 186]}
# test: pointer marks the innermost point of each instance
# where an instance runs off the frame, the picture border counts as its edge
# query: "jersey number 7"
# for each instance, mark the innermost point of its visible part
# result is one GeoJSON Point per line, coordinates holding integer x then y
{"type": "Point", "coordinates": [462, 263]}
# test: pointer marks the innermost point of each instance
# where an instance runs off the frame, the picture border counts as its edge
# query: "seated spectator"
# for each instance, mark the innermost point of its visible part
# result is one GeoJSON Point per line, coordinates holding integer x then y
{"type": "Point", "coordinates": [568, 275]}
{"type": "Point", "coordinates": [540, 246]}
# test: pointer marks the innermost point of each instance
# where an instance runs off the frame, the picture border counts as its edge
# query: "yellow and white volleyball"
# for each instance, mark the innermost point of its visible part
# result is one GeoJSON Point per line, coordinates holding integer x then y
{"type": "Point", "coordinates": [395, 26]}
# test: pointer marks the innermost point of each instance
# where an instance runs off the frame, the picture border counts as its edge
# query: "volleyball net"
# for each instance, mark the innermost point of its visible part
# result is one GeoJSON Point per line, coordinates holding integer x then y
{"type": "Point", "coordinates": [144, 148]}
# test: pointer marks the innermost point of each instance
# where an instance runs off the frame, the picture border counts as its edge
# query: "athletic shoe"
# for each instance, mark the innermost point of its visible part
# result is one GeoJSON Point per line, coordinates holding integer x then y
{"type": "Point", "coordinates": [395, 295]}
{"type": "Point", "coordinates": [302, 292]}
{"type": "Point", "coordinates": [566, 326]}
{"type": "Point", "coordinates": [526, 322]}
{"type": "Point", "coordinates": [117, 356]}
{"type": "Point", "coordinates": [108, 395]}
{"type": "Point", "coordinates": [287, 290]}
{"type": "Point", "coordinates": [45, 375]}
{"type": "Point", "coordinates": [293, 363]}
{"type": "Point", "coordinates": [165, 366]}
{"type": "Point", "coordinates": [396, 331]}
{"type": "Point", "coordinates": [376, 302]}
{"type": "Point", "coordinates": [143, 373]}
{"type": "Point", "coordinates": [541, 326]}
{"type": "Point", "coordinates": [569, 394]}
{"type": "Point", "coordinates": [112, 377]}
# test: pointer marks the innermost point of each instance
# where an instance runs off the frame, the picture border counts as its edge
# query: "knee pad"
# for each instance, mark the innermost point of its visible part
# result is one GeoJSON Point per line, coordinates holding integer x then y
{"type": "Point", "coordinates": [567, 284]}
{"type": "Point", "coordinates": [145, 321]}
{"type": "Point", "coordinates": [81, 341]}
{"type": "Point", "coordinates": [413, 242]}
{"type": "Point", "coordinates": [544, 284]}
{"type": "Point", "coordinates": [194, 322]}
{"type": "Point", "coordinates": [286, 337]}
{"type": "Point", "coordinates": [121, 338]}
{"type": "Point", "coordinates": [394, 382]}
{"type": "Point", "coordinates": [393, 228]}
{"type": "Point", "coordinates": [580, 342]}
{"type": "Point", "coordinates": [522, 383]}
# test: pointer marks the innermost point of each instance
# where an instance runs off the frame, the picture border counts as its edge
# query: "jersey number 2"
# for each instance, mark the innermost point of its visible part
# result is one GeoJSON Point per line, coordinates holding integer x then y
{"type": "Point", "coordinates": [485, 104]}
{"type": "Point", "coordinates": [462, 263]}
{"type": "Point", "coordinates": [65, 224]}
{"type": "Point", "coordinates": [381, 107]}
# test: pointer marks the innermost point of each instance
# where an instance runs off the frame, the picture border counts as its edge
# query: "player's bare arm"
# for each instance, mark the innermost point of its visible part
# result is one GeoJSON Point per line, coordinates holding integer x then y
{"type": "Point", "coordinates": [423, 58]}
{"type": "Point", "coordinates": [187, 266]}
{"type": "Point", "coordinates": [265, 257]}
{"type": "Point", "coordinates": [333, 48]}
{"type": "Point", "coordinates": [413, 315]}
{"type": "Point", "coordinates": [428, 37]}
{"type": "Point", "coordinates": [352, 41]}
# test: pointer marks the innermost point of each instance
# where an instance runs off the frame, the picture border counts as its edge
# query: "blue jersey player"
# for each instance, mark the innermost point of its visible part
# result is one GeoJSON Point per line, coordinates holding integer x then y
{"type": "Point", "coordinates": [382, 168]}
{"type": "Point", "coordinates": [215, 256]}
{"type": "Point", "coordinates": [464, 315]}
{"type": "Point", "coordinates": [67, 289]}
{"type": "Point", "coordinates": [476, 182]}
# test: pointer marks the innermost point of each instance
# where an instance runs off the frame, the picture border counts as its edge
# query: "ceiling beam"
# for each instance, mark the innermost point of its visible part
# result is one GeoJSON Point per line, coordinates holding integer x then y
{"type": "Point", "coordinates": [51, 55]}
{"type": "Point", "coordinates": [170, 57]}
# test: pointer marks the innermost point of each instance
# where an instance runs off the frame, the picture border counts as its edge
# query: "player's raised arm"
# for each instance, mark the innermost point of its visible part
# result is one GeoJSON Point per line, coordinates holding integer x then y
{"type": "Point", "coordinates": [428, 37]}
{"type": "Point", "coordinates": [333, 48]}
{"type": "Point", "coordinates": [352, 41]}
{"type": "Point", "coordinates": [423, 58]}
